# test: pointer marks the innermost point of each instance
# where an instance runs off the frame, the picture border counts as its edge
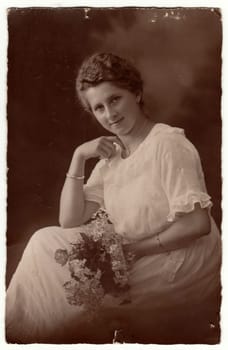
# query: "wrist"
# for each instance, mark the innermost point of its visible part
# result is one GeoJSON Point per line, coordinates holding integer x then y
{"type": "Point", "coordinates": [79, 156]}
{"type": "Point", "coordinates": [150, 246]}
{"type": "Point", "coordinates": [77, 165]}
{"type": "Point", "coordinates": [160, 245]}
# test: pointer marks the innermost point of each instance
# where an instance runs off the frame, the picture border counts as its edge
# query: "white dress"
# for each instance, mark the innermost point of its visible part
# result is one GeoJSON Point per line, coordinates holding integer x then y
{"type": "Point", "coordinates": [143, 194]}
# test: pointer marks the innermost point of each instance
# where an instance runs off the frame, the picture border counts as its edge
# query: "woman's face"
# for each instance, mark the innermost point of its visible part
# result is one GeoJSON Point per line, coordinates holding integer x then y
{"type": "Point", "coordinates": [115, 108]}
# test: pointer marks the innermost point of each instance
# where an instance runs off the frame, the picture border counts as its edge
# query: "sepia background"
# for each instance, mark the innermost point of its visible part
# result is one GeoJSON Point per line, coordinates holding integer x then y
{"type": "Point", "coordinates": [178, 51]}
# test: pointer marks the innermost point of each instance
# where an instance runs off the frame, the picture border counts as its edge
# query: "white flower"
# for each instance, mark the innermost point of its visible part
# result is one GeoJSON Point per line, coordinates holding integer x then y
{"type": "Point", "coordinates": [113, 248]}
{"type": "Point", "coordinates": [85, 286]}
{"type": "Point", "coordinates": [116, 265]}
{"type": "Point", "coordinates": [77, 265]}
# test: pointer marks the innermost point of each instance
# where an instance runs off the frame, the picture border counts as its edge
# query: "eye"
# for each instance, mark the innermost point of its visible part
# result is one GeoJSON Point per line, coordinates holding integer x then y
{"type": "Point", "coordinates": [99, 108]}
{"type": "Point", "coordinates": [115, 99]}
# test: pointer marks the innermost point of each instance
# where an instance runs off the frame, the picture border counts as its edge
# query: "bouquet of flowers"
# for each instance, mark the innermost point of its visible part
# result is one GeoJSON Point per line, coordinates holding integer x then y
{"type": "Point", "coordinates": [98, 268]}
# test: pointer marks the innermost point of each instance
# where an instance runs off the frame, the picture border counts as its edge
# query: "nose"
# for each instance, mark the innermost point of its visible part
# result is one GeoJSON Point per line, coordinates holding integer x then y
{"type": "Point", "coordinates": [111, 114]}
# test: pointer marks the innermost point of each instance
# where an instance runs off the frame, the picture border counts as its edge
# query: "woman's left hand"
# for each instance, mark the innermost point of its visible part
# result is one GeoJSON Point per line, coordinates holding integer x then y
{"type": "Point", "coordinates": [177, 235]}
{"type": "Point", "coordinates": [132, 251]}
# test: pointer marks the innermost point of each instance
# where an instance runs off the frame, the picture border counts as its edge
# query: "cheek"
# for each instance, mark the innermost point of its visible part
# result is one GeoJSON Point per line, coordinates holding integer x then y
{"type": "Point", "coordinates": [100, 119]}
{"type": "Point", "coordinates": [129, 111]}
{"type": "Point", "coordinates": [129, 106]}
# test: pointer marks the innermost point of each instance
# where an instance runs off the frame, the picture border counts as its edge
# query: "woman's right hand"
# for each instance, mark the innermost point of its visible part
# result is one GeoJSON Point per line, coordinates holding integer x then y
{"type": "Point", "coordinates": [74, 209]}
{"type": "Point", "coordinates": [103, 147]}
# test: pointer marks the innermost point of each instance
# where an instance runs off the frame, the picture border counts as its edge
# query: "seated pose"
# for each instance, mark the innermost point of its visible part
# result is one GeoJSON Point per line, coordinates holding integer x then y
{"type": "Point", "coordinates": [149, 180]}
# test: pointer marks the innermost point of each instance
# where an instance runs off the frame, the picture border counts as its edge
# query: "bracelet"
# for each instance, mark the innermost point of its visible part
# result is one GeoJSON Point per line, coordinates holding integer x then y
{"type": "Point", "coordinates": [74, 177]}
{"type": "Point", "coordinates": [159, 242]}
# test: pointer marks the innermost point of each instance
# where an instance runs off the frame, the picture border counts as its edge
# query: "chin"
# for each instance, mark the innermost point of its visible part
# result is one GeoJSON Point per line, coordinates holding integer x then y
{"type": "Point", "coordinates": [119, 133]}
{"type": "Point", "coordinates": [125, 132]}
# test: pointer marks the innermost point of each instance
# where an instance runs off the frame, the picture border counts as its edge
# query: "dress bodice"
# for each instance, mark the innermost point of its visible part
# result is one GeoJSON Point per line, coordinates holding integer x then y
{"type": "Point", "coordinates": [144, 192]}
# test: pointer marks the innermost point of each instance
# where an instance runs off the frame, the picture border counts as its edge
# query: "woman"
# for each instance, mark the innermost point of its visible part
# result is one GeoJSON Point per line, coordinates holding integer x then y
{"type": "Point", "coordinates": [150, 181]}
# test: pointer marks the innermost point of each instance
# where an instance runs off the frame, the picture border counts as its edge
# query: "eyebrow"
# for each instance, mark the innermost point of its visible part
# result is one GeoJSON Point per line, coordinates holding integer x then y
{"type": "Point", "coordinates": [109, 98]}
{"type": "Point", "coordinates": [97, 105]}
{"type": "Point", "coordinates": [113, 96]}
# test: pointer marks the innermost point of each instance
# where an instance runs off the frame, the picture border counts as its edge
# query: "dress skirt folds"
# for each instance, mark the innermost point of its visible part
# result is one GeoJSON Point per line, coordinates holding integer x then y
{"type": "Point", "coordinates": [142, 194]}
{"type": "Point", "coordinates": [37, 309]}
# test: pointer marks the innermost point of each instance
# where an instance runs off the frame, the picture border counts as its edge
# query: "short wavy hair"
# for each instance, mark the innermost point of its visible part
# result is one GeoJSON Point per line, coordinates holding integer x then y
{"type": "Point", "coordinates": [107, 67]}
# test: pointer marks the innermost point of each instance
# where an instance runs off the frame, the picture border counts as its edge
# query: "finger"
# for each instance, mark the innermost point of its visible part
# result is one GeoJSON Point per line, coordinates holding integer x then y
{"type": "Point", "coordinates": [102, 154]}
{"type": "Point", "coordinates": [106, 150]}
{"type": "Point", "coordinates": [115, 139]}
{"type": "Point", "coordinates": [109, 146]}
{"type": "Point", "coordinates": [119, 141]}
{"type": "Point", "coordinates": [108, 142]}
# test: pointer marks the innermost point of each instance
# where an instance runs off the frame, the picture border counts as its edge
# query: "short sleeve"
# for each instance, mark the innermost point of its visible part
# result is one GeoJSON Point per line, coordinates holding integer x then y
{"type": "Point", "coordinates": [182, 176]}
{"type": "Point", "coordinates": [94, 188]}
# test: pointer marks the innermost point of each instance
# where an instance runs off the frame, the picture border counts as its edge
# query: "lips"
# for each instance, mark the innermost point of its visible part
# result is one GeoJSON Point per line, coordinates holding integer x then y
{"type": "Point", "coordinates": [117, 121]}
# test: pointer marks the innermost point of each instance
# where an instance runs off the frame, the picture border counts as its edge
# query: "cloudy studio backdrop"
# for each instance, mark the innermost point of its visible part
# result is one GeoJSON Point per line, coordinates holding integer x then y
{"type": "Point", "coordinates": [178, 52]}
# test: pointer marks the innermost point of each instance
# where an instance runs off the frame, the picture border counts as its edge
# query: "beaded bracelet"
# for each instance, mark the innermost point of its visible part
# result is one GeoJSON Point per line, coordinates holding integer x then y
{"type": "Point", "coordinates": [159, 242]}
{"type": "Point", "coordinates": [74, 177]}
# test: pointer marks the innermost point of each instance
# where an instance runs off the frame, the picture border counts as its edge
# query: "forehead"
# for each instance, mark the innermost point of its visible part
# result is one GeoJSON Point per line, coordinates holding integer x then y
{"type": "Point", "coordinates": [100, 93]}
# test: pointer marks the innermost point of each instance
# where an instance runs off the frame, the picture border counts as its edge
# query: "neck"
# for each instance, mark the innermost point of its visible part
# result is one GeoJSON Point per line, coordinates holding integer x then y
{"type": "Point", "coordinates": [132, 140]}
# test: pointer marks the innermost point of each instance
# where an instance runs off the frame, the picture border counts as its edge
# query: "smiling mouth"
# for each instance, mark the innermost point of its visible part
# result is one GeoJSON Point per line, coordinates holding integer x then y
{"type": "Point", "coordinates": [116, 121]}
